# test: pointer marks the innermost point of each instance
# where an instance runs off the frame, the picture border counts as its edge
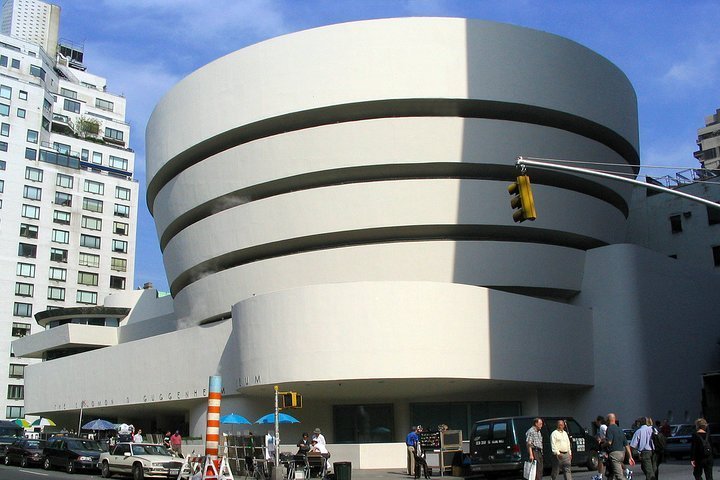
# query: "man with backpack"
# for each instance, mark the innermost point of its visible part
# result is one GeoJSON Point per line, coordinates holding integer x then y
{"type": "Point", "coordinates": [701, 455]}
{"type": "Point", "coordinates": [642, 442]}
{"type": "Point", "coordinates": [659, 441]}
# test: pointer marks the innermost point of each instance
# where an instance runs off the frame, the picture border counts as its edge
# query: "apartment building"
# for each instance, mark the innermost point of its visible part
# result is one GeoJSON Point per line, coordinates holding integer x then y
{"type": "Point", "coordinates": [68, 201]}
{"type": "Point", "coordinates": [708, 141]}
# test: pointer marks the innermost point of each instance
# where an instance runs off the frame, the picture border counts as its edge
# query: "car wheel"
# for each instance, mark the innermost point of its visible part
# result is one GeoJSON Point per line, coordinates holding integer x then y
{"type": "Point", "coordinates": [7, 460]}
{"type": "Point", "coordinates": [592, 461]}
{"type": "Point", "coordinates": [137, 472]}
{"type": "Point", "coordinates": [23, 461]}
{"type": "Point", "coordinates": [70, 467]}
{"type": "Point", "coordinates": [46, 464]}
{"type": "Point", "coordinates": [105, 470]}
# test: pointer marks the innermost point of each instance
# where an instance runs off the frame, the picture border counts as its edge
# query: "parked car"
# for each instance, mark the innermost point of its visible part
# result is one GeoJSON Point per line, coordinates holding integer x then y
{"type": "Point", "coordinates": [498, 444]}
{"type": "Point", "coordinates": [25, 452]}
{"type": "Point", "coordinates": [141, 460]}
{"type": "Point", "coordinates": [678, 443]}
{"type": "Point", "coordinates": [71, 454]}
{"type": "Point", "coordinates": [5, 442]}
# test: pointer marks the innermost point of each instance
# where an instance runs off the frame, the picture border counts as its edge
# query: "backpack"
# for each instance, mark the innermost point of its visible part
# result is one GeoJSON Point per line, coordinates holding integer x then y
{"type": "Point", "coordinates": [659, 441]}
{"type": "Point", "coordinates": [707, 449]}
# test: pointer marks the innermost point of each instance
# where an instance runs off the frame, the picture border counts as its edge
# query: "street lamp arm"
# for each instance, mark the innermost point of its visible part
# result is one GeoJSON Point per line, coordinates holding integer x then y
{"type": "Point", "coordinates": [523, 163]}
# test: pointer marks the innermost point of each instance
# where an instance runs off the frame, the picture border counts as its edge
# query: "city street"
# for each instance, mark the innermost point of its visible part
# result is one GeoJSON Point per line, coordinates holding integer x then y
{"type": "Point", "coordinates": [674, 470]}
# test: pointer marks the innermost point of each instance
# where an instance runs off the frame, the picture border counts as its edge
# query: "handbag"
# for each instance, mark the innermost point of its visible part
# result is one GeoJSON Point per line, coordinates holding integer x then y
{"type": "Point", "coordinates": [529, 470]}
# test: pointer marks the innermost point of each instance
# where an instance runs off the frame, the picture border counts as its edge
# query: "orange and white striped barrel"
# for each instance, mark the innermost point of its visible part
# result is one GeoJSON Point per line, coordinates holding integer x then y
{"type": "Point", "coordinates": [212, 434]}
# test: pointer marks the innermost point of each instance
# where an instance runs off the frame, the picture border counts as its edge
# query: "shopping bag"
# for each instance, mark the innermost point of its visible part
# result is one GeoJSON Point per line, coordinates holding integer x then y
{"type": "Point", "coordinates": [529, 470]}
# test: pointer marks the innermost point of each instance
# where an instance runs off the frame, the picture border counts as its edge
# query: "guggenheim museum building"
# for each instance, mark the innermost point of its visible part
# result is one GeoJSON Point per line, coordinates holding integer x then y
{"type": "Point", "coordinates": [333, 213]}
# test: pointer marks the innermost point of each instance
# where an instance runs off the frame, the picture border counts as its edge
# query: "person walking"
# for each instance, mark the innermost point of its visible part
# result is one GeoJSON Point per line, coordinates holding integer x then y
{"type": "Point", "coordinates": [562, 451]}
{"type": "Point", "coordinates": [701, 455]}
{"type": "Point", "coordinates": [642, 442]}
{"type": "Point", "coordinates": [533, 439]}
{"type": "Point", "coordinates": [618, 448]}
{"type": "Point", "coordinates": [412, 442]}
{"type": "Point", "coordinates": [176, 443]}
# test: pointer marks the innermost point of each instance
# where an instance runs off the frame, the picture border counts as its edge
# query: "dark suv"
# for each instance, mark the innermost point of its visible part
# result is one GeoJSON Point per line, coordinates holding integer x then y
{"type": "Point", "coordinates": [71, 454]}
{"type": "Point", "coordinates": [498, 444]}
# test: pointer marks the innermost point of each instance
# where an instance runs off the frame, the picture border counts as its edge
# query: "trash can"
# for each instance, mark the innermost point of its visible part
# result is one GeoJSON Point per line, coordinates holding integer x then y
{"type": "Point", "coordinates": [343, 470]}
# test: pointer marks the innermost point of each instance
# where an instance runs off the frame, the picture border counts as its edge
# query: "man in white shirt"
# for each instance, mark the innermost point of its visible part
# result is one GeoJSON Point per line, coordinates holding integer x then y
{"type": "Point", "coordinates": [317, 435]}
{"type": "Point", "coordinates": [561, 450]}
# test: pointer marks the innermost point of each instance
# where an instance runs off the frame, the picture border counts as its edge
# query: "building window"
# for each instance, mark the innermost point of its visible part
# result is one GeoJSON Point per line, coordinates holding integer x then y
{"type": "Point", "coordinates": [63, 199]}
{"type": "Point", "coordinates": [62, 148]}
{"type": "Point", "coordinates": [119, 246]}
{"type": "Point", "coordinates": [3, 146]}
{"type": "Point", "coordinates": [113, 134]}
{"type": "Point", "coordinates": [84, 154]}
{"type": "Point", "coordinates": [58, 274]}
{"type": "Point", "coordinates": [62, 218]}
{"type": "Point", "coordinates": [23, 95]}
{"type": "Point", "coordinates": [16, 392]}
{"type": "Point", "coordinates": [15, 63]}
{"type": "Point", "coordinates": [5, 92]}
{"type": "Point", "coordinates": [118, 264]}
{"type": "Point", "coordinates": [716, 255]}
{"type": "Point", "coordinates": [68, 93]}
{"type": "Point", "coordinates": [36, 71]}
{"type": "Point", "coordinates": [97, 158]}
{"type": "Point", "coordinates": [24, 289]}
{"type": "Point", "coordinates": [17, 370]}
{"type": "Point", "coordinates": [117, 162]}
{"type": "Point", "coordinates": [89, 260]}
{"type": "Point", "coordinates": [5, 129]}
{"type": "Point", "coordinates": [4, 63]}
{"type": "Point", "coordinates": [45, 124]}
{"type": "Point", "coordinates": [104, 104]}
{"type": "Point", "coordinates": [676, 224]}
{"type": "Point", "coordinates": [60, 236]}
{"type": "Point", "coordinates": [56, 293]}
{"type": "Point", "coordinates": [120, 228]}
{"type": "Point", "coordinates": [122, 210]}
{"type": "Point", "coordinates": [92, 205]}
{"type": "Point", "coordinates": [713, 215]}
{"type": "Point", "coordinates": [28, 231]}
{"type": "Point", "coordinates": [65, 181]}
{"type": "Point", "coordinates": [71, 106]}
{"type": "Point", "coordinates": [4, 110]}
{"type": "Point", "coordinates": [117, 282]}
{"type": "Point", "coordinates": [91, 223]}
{"type": "Point", "coordinates": [58, 255]}
{"type": "Point", "coordinates": [89, 241]}
{"type": "Point", "coordinates": [21, 310]}
{"type": "Point", "coordinates": [32, 193]}
{"type": "Point", "coordinates": [31, 211]}
{"type": "Point", "coordinates": [25, 270]}
{"type": "Point", "coordinates": [32, 136]}
{"type": "Point", "coordinates": [122, 193]}
{"type": "Point", "coordinates": [21, 113]}
{"type": "Point", "coordinates": [33, 174]}
{"type": "Point", "coordinates": [94, 187]}
{"type": "Point", "coordinates": [27, 250]}
{"type": "Point", "coordinates": [87, 278]}
{"type": "Point", "coordinates": [14, 412]}
{"type": "Point", "coordinates": [373, 423]}
{"type": "Point", "coordinates": [30, 154]}
{"type": "Point", "coordinates": [86, 297]}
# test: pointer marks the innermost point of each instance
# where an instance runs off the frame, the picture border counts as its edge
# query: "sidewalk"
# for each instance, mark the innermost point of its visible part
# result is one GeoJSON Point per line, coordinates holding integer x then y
{"type": "Point", "coordinates": [382, 474]}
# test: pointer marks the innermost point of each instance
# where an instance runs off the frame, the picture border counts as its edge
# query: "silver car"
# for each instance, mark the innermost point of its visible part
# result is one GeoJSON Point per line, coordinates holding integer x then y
{"type": "Point", "coordinates": [141, 460]}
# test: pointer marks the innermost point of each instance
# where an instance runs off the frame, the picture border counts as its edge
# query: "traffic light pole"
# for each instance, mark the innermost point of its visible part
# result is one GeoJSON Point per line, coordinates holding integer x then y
{"type": "Point", "coordinates": [525, 162]}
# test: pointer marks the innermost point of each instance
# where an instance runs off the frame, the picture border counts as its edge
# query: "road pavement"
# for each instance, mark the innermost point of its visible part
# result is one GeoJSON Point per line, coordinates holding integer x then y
{"type": "Point", "coordinates": [673, 470]}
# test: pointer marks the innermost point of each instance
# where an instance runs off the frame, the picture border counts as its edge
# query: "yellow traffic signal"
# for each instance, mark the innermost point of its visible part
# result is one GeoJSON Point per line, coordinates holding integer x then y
{"type": "Point", "coordinates": [290, 400]}
{"type": "Point", "coordinates": [522, 201]}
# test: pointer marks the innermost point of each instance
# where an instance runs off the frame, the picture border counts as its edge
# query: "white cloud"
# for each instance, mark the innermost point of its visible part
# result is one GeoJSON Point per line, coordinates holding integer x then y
{"type": "Point", "coordinates": [700, 68]}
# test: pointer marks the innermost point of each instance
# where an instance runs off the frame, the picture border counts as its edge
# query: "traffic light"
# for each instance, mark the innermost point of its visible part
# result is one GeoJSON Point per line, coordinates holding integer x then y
{"type": "Point", "coordinates": [522, 199]}
{"type": "Point", "coordinates": [290, 400]}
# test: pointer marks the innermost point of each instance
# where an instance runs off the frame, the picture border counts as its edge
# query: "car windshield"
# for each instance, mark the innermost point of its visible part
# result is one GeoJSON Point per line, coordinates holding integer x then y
{"type": "Point", "coordinates": [35, 444]}
{"type": "Point", "coordinates": [148, 449]}
{"type": "Point", "coordinates": [89, 445]}
{"type": "Point", "coordinates": [685, 430]}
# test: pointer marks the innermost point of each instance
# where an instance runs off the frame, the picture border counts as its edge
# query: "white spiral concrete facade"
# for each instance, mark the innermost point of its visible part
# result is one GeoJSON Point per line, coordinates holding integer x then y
{"type": "Point", "coordinates": [340, 154]}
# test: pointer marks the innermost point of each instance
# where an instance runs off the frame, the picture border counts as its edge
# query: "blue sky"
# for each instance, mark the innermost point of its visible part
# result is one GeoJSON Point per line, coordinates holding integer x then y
{"type": "Point", "coordinates": [668, 49]}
